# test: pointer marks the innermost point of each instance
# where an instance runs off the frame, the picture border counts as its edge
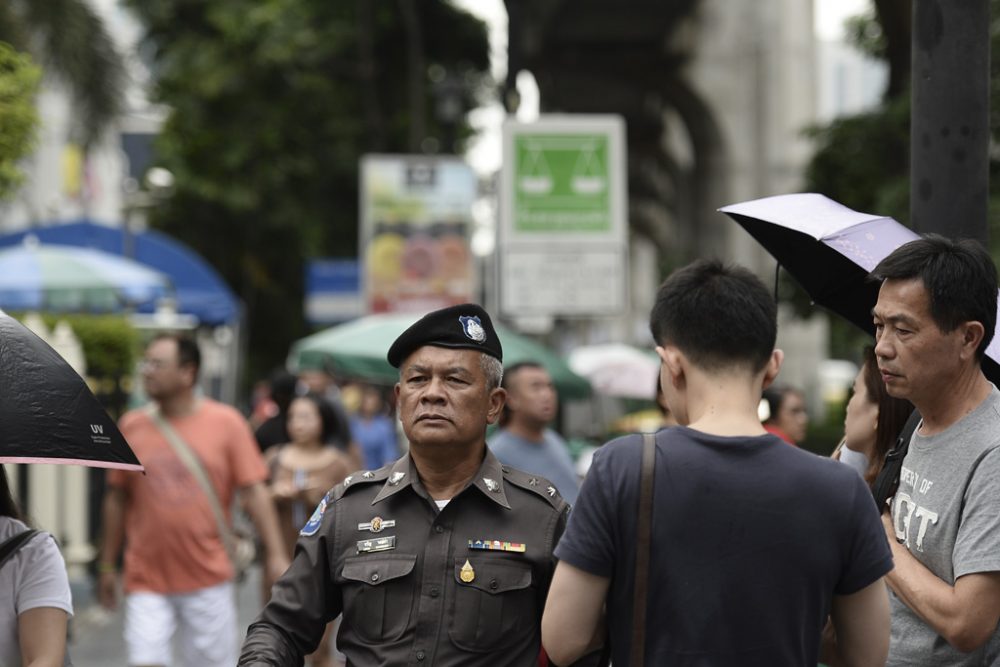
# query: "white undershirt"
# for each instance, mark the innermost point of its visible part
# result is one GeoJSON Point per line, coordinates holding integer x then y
{"type": "Point", "coordinates": [854, 459]}
{"type": "Point", "coordinates": [441, 503]}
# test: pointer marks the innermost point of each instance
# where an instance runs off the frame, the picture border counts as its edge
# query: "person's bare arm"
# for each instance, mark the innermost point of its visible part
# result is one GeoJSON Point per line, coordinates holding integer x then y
{"type": "Point", "coordinates": [256, 499]}
{"type": "Point", "coordinates": [859, 636]}
{"type": "Point", "coordinates": [41, 635]}
{"type": "Point", "coordinates": [573, 621]}
{"type": "Point", "coordinates": [112, 538]}
{"type": "Point", "coordinates": [965, 614]}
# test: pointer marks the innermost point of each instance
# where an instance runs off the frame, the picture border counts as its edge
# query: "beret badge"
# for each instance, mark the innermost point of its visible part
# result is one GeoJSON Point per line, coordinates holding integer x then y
{"type": "Point", "coordinates": [473, 327]}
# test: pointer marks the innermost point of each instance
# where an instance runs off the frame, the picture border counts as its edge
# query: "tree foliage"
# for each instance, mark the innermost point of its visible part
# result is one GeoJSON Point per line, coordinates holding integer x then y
{"type": "Point", "coordinates": [272, 103]}
{"type": "Point", "coordinates": [863, 160]}
{"type": "Point", "coordinates": [70, 41]}
{"type": "Point", "coordinates": [19, 78]}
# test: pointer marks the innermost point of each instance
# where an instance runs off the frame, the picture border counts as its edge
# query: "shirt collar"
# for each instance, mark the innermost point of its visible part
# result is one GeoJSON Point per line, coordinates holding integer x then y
{"type": "Point", "coordinates": [488, 480]}
{"type": "Point", "coordinates": [401, 476]}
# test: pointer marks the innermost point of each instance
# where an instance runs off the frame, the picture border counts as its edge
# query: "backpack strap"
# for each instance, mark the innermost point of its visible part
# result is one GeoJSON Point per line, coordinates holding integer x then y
{"type": "Point", "coordinates": [12, 544]}
{"type": "Point", "coordinates": [643, 546]}
{"type": "Point", "coordinates": [885, 485]}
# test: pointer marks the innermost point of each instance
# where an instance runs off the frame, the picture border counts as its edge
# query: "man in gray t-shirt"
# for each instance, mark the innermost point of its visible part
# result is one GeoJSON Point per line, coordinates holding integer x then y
{"type": "Point", "coordinates": [524, 440]}
{"type": "Point", "coordinates": [935, 316]}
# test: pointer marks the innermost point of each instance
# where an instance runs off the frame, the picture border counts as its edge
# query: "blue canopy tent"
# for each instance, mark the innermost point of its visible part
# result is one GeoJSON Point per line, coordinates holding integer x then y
{"type": "Point", "coordinates": [198, 288]}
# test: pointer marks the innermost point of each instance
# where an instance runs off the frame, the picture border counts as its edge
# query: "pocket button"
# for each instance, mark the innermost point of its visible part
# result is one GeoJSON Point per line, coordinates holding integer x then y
{"type": "Point", "coordinates": [493, 584]}
{"type": "Point", "coordinates": [375, 577]}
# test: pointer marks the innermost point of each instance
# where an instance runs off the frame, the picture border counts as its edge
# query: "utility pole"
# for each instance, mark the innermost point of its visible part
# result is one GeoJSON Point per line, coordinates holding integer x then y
{"type": "Point", "coordinates": [949, 129]}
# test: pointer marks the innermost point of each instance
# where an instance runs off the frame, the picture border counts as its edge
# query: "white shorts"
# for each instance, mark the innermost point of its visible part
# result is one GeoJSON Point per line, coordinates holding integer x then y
{"type": "Point", "coordinates": [203, 620]}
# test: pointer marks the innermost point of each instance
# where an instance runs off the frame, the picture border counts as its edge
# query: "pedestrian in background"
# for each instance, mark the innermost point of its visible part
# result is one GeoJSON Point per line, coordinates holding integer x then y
{"type": "Point", "coordinates": [178, 578]}
{"type": "Point", "coordinates": [872, 422]}
{"type": "Point", "coordinates": [35, 600]}
{"type": "Point", "coordinates": [374, 430]}
{"type": "Point", "coordinates": [754, 542]}
{"type": "Point", "coordinates": [935, 316]}
{"type": "Point", "coordinates": [274, 430]}
{"type": "Point", "coordinates": [524, 439]}
{"type": "Point", "coordinates": [442, 558]}
{"type": "Point", "coordinates": [787, 415]}
{"type": "Point", "coordinates": [302, 471]}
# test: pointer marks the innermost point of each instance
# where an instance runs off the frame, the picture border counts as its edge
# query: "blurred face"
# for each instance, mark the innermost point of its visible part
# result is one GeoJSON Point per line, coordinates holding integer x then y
{"type": "Point", "coordinates": [316, 382]}
{"type": "Point", "coordinates": [442, 397]}
{"type": "Point", "coordinates": [162, 376]}
{"type": "Point", "coordinates": [861, 418]}
{"type": "Point", "coordinates": [792, 416]}
{"type": "Point", "coordinates": [371, 402]}
{"type": "Point", "coordinates": [304, 421]}
{"type": "Point", "coordinates": [532, 396]}
{"type": "Point", "coordinates": [916, 359]}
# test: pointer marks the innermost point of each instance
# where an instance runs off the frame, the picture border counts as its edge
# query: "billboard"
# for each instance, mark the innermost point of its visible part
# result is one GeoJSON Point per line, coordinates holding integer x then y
{"type": "Point", "coordinates": [416, 219]}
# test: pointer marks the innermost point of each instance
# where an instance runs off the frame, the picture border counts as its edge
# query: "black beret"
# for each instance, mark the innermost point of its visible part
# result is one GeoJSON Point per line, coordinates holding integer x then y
{"type": "Point", "coordinates": [465, 326]}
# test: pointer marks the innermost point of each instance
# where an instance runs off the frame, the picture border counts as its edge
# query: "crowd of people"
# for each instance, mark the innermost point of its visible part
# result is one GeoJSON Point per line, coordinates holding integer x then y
{"type": "Point", "coordinates": [395, 530]}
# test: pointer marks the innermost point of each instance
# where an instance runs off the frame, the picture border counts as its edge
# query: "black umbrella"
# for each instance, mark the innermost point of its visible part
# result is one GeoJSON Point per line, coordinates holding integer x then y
{"type": "Point", "coordinates": [47, 412]}
{"type": "Point", "coordinates": [830, 249]}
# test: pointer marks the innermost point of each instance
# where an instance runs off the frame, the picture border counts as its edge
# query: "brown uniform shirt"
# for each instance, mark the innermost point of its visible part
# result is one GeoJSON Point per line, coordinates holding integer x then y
{"type": "Point", "coordinates": [464, 585]}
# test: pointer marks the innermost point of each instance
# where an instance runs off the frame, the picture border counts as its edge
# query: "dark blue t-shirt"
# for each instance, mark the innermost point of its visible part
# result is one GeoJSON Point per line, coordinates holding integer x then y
{"type": "Point", "coordinates": [751, 539]}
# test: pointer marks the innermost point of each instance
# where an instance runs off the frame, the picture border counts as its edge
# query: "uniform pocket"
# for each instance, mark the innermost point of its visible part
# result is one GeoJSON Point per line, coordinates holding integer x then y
{"type": "Point", "coordinates": [496, 608]}
{"type": "Point", "coordinates": [378, 595]}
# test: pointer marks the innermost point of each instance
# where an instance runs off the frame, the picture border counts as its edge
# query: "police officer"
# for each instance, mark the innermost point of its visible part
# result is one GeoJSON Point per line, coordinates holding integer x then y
{"type": "Point", "coordinates": [441, 558]}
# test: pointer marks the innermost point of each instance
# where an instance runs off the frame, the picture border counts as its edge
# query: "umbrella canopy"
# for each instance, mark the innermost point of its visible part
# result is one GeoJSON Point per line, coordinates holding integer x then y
{"type": "Point", "coordinates": [830, 249]}
{"type": "Point", "coordinates": [616, 369]}
{"type": "Point", "coordinates": [358, 348]}
{"type": "Point", "coordinates": [36, 276]}
{"type": "Point", "coordinates": [47, 413]}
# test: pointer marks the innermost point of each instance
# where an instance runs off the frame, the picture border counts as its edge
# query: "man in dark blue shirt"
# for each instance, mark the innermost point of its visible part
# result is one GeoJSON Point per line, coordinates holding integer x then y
{"type": "Point", "coordinates": [754, 543]}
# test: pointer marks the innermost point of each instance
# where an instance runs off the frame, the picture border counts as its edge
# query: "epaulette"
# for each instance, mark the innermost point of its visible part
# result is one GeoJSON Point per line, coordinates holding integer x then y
{"type": "Point", "coordinates": [358, 479]}
{"type": "Point", "coordinates": [535, 484]}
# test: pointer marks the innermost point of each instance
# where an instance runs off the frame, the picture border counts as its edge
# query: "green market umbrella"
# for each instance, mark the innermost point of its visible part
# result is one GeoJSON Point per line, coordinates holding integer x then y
{"type": "Point", "coordinates": [357, 349]}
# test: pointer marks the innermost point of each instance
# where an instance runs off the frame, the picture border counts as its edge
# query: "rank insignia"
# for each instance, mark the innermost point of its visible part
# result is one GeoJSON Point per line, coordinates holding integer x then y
{"type": "Point", "coordinates": [497, 545]}
{"type": "Point", "coordinates": [533, 481]}
{"type": "Point", "coordinates": [379, 544]}
{"type": "Point", "coordinates": [396, 477]}
{"type": "Point", "coordinates": [348, 480]}
{"type": "Point", "coordinates": [467, 574]}
{"type": "Point", "coordinates": [368, 474]}
{"type": "Point", "coordinates": [377, 524]}
{"type": "Point", "coordinates": [491, 484]}
{"type": "Point", "coordinates": [551, 491]}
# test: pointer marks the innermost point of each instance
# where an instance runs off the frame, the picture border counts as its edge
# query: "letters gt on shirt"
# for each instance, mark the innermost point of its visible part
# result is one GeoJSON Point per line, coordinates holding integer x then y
{"type": "Point", "coordinates": [908, 513]}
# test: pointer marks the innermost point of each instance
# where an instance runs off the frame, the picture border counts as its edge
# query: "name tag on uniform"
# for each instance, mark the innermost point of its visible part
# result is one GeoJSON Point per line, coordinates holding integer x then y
{"type": "Point", "coordinates": [380, 544]}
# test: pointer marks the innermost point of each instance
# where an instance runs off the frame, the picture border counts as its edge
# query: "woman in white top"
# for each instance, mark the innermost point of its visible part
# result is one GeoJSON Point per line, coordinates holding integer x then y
{"type": "Point", "coordinates": [872, 423]}
{"type": "Point", "coordinates": [35, 602]}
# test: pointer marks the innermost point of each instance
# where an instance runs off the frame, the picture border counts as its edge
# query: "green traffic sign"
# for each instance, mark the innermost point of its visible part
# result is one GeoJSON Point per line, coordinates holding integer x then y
{"type": "Point", "coordinates": [562, 183]}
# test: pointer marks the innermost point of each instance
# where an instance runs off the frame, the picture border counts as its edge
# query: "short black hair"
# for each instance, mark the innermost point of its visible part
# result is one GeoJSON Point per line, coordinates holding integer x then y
{"type": "Point", "coordinates": [959, 276]}
{"type": "Point", "coordinates": [718, 315]}
{"type": "Point", "coordinates": [188, 353]}
{"type": "Point", "coordinates": [511, 371]}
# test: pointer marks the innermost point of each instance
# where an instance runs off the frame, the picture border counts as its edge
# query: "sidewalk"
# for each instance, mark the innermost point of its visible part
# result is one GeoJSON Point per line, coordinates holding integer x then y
{"type": "Point", "coordinates": [96, 634]}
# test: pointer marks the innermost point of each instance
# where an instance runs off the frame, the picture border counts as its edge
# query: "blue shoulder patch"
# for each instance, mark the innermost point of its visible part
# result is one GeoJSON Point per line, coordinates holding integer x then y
{"type": "Point", "coordinates": [312, 526]}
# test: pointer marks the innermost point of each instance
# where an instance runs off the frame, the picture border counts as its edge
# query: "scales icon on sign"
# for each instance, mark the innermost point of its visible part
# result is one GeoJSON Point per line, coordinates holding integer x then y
{"type": "Point", "coordinates": [585, 177]}
{"type": "Point", "coordinates": [537, 179]}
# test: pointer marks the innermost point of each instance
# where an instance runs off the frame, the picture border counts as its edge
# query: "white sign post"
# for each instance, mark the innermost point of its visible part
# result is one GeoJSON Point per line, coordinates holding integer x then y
{"type": "Point", "coordinates": [563, 224]}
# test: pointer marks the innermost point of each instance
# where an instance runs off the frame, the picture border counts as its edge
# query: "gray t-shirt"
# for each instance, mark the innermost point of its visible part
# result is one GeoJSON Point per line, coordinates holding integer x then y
{"type": "Point", "coordinates": [946, 511]}
{"type": "Point", "coordinates": [549, 458]}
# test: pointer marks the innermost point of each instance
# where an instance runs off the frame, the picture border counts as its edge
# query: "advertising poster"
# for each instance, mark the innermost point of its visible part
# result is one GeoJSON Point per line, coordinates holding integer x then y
{"type": "Point", "coordinates": [416, 219]}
